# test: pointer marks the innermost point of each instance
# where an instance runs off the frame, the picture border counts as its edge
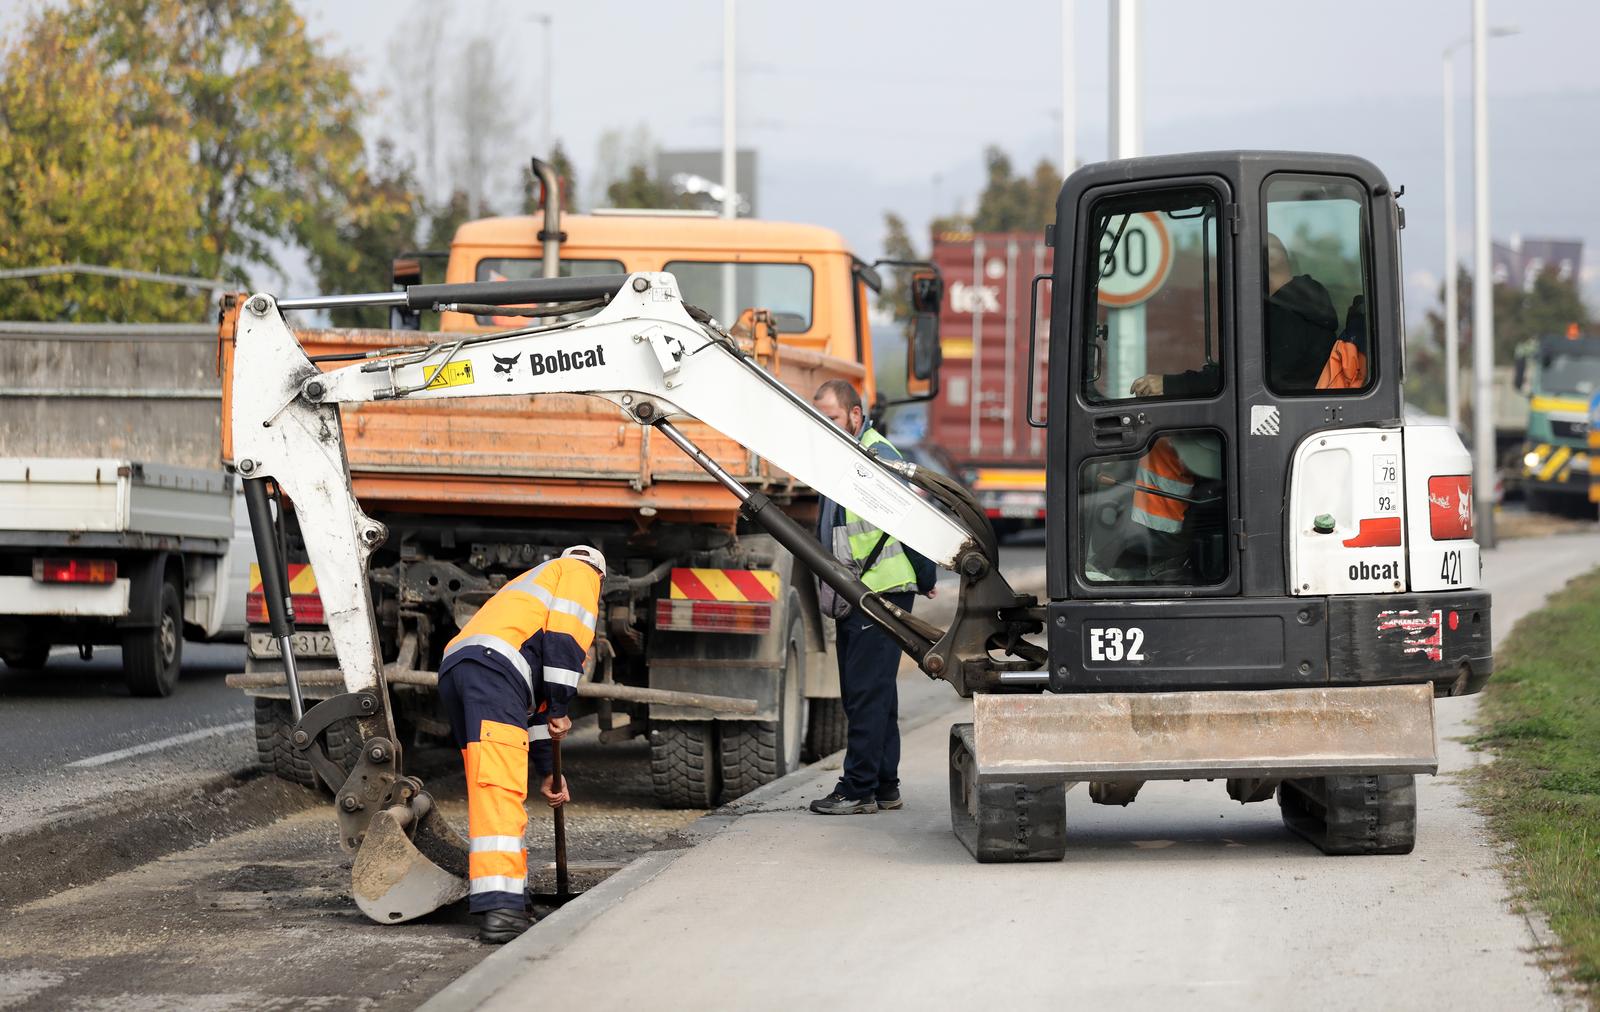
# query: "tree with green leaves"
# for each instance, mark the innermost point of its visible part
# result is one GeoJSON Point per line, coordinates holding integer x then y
{"type": "Point", "coordinates": [1010, 202]}
{"type": "Point", "coordinates": [352, 248]}
{"type": "Point", "coordinates": [90, 173]}
{"type": "Point", "coordinates": [565, 171]}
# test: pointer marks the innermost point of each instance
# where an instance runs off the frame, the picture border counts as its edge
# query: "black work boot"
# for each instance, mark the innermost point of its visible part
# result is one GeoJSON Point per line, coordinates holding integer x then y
{"type": "Point", "coordinates": [501, 926]}
{"type": "Point", "coordinates": [839, 804]}
{"type": "Point", "coordinates": [888, 798]}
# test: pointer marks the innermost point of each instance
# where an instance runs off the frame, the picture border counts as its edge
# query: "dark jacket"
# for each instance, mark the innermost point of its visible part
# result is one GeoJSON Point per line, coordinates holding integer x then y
{"type": "Point", "coordinates": [1301, 326]}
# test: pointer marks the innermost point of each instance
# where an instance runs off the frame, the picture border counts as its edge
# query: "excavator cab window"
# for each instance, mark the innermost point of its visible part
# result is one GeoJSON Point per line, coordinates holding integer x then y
{"type": "Point", "coordinates": [726, 290]}
{"type": "Point", "coordinates": [1316, 262]}
{"type": "Point", "coordinates": [1152, 511]}
{"type": "Point", "coordinates": [523, 268]}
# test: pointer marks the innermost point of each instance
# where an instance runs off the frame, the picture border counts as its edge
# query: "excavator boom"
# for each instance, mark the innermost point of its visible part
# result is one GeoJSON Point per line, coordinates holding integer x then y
{"type": "Point", "coordinates": [657, 360]}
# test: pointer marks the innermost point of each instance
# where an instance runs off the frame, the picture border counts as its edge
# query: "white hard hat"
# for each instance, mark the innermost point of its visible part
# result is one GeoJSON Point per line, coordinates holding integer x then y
{"type": "Point", "coordinates": [588, 554]}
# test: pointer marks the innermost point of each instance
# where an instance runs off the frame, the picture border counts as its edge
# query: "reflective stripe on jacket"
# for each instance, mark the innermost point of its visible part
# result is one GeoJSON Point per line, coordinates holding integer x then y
{"type": "Point", "coordinates": [855, 539]}
{"type": "Point", "coordinates": [539, 626]}
{"type": "Point", "coordinates": [1162, 469]}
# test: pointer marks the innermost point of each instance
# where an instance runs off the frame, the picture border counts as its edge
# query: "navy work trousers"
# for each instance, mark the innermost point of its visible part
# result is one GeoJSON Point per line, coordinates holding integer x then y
{"type": "Point", "coordinates": [868, 661]}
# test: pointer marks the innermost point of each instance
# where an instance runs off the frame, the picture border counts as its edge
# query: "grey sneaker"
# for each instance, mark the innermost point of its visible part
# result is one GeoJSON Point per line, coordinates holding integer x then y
{"type": "Point", "coordinates": [838, 804]}
{"type": "Point", "coordinates": [889, 799]}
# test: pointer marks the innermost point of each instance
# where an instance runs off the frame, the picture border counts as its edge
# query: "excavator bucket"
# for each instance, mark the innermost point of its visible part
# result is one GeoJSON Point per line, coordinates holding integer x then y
{"type": "Point", "coordinates": [411, 863]}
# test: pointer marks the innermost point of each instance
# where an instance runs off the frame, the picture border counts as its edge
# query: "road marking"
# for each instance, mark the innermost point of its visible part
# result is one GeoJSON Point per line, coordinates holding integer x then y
{"type": "Point", "coordinates": [156, 746]}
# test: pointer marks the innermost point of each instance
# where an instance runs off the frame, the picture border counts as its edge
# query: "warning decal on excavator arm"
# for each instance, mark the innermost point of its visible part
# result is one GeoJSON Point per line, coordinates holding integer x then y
{"type": "Point", "coordinates": [451, 374]}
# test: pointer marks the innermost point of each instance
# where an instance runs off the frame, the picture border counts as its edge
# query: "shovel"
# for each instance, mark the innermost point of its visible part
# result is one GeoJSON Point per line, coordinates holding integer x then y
{"type": "Point", "coordinates": [563, 894]}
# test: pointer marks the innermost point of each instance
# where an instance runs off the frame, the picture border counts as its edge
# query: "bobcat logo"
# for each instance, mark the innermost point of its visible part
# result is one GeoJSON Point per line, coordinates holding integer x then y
{"type": "Point", "coordinates": [505, 365]}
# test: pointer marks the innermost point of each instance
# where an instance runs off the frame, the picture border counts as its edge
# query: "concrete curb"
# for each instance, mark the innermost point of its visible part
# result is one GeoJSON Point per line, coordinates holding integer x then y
{"type": "Point", "coordinates": [546, 938]}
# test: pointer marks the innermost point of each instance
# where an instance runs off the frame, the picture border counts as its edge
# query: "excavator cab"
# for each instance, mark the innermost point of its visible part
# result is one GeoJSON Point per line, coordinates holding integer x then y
{"type": "Point", "coordinates": [1257, 572]}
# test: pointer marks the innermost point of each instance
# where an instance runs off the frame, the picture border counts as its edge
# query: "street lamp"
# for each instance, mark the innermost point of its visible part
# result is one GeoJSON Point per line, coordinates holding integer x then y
{"type": "Point", "coordinates": [1452, 312]}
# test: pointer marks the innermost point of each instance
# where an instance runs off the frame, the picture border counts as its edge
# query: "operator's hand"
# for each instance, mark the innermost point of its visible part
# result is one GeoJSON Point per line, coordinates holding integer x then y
{"type": "Point", "coordinates": [559, 726]}
{"type": "Point", "coordinates": [555, 798]}
{"type": "Point", "coordinates": [932, 592]}
{"type": "Point", "coordinates": [1148, 385]}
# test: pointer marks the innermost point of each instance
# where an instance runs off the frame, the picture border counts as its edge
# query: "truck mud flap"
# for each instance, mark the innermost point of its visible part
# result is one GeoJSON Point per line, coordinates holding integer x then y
{"type": "Point", "coordinates": [1275, 734]}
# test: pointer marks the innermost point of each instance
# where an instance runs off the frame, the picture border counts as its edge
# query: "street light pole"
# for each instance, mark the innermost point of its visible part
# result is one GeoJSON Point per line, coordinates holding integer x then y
{"type": "Point", "coordinates": [1452, 312]}
{"type": "Point", "coordinates": [1069, 97]}
{"type": "Point", "coordinates": [1452, 299]}
{"type": "Point", "coordinates": [730, 159]}
{"type": "Point", "coordinates": [1483, 287]}
{"type": "Point", "coordinates": [546, 141]}
{"type": "Point", "coordinates": [1126, 125]}
{"type": "Point", "coordinates": [730, 154]}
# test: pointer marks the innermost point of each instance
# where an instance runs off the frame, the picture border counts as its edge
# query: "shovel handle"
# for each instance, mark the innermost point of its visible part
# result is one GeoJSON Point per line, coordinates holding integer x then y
{"type": "Point", "coordinates": [562, 887]}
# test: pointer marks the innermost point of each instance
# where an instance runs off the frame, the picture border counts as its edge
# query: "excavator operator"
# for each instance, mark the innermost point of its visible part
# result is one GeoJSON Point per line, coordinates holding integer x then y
{"type": "Point", "coordinates": [505, 683]}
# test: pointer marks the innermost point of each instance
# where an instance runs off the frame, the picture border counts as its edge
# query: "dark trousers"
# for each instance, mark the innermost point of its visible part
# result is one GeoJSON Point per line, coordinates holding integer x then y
{"type": "Point", "coordinates": [868, 660]}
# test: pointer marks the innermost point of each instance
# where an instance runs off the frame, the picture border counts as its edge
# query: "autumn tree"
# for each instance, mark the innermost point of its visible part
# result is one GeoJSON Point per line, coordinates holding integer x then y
{"type": "Point", "coordinates": [91, 173]}
{"type": "Point", "coordinates": [270, 117]}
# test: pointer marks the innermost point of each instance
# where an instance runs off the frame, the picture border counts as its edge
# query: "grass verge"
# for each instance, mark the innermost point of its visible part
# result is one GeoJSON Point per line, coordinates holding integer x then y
{"type": "Point", "coordinates": [1541, 717]}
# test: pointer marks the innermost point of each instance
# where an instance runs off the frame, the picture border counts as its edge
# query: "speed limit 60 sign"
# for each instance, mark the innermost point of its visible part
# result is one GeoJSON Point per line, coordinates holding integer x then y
{"type": "Point", "coordinates": [1137, 265]}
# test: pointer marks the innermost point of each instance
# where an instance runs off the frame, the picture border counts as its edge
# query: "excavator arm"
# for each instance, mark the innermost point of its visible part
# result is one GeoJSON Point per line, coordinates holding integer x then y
{"type": "Point", "coordinates": [658, 360]}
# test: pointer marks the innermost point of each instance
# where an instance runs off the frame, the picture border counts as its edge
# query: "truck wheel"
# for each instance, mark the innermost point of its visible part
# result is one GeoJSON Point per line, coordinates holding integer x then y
{"type": "Point", "coordinates": [275, 749]}
{"type": "Point", "coordinates": [756, 752]}
{"type": "Point", "coordinates": [827, 731]}
{"type": "Point", "coordinates": [1353, 814]}
{"type": "Point", "coordinates": [1003, 823]}
{"type": "Point", "coordinates": [683, 763]}
{"type": "Point", "coordinates": [31, 656]}
{"type": "Point", "coordinates": [151, 658]}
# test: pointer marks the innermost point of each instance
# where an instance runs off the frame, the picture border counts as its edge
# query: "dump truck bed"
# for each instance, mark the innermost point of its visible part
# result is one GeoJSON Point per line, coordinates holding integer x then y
{"type": "Point", "coordinates": [566, 456]}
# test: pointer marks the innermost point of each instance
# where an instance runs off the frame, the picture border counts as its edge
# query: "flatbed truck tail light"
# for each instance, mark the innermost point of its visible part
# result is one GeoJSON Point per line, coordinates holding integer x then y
{"type": "Point", "coordinates": [713, 616]}
{"type": "Point", "coordinates": [303, 597]}
{"type": "Point", "coordinates": [719, 601]}
{"type": "Point", "coordinates": [75, 570]}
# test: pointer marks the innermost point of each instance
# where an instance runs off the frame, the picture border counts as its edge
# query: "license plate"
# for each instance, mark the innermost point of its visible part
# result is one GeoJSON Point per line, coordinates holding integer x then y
{"type": "Point", "coordinates": [304, 644]}
{"type": "Point", "coordinates": [1019, 511]}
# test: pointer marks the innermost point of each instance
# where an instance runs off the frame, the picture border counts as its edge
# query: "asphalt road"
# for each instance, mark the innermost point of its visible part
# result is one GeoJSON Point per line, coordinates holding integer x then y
{"type": "Point", "coordinates": [71, 735]}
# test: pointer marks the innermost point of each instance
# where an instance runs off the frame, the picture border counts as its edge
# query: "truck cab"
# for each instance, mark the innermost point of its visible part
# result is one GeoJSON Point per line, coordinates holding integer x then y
{"type": "Point", "coordinates": [1560, 376]}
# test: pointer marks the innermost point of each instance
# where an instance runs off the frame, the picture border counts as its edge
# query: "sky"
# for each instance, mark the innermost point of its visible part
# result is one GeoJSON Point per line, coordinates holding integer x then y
{"type": "Point", "coordinates": [858, 108]}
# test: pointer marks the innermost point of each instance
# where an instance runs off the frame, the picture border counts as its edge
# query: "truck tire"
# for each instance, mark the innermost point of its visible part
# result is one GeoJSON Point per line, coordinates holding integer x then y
{"type": "Point", "coordinates": [31, 656]}
{"type": "Point", "coordinates": [152, 658]}
{"type": "Point", "coordinates": [1353, 814]}
{"type": "Point", "coordinates": [827, 729]}
{"type": "Point", "coordinates": [756, 752]}
{"type": "Point", "coordinates": [275, 749]}
{"type": "Point", "coordinates": [683, 763]}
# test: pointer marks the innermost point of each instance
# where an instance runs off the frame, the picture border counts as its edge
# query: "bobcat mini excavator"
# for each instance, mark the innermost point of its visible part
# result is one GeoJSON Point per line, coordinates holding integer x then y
{"type": "Point", "coordinates": [1254, 574]}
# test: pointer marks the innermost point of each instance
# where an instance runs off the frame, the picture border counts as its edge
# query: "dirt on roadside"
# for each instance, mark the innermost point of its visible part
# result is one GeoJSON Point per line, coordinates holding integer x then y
{"type": "Point", "coordinates": [262, 918]}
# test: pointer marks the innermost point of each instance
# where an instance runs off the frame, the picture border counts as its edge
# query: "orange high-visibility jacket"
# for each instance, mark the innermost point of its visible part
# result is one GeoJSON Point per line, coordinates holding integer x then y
{"type": "Point", "coordinates": [1163, 470]}
{"type": "Point", "coordinates": [539, 627]}
{"type": "Point", "coordinates": [1346, 368]}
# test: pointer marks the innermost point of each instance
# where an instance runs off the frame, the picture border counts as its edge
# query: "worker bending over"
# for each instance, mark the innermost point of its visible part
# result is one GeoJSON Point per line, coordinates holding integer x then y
{"type": "Point", "coordinates": [506, 682]}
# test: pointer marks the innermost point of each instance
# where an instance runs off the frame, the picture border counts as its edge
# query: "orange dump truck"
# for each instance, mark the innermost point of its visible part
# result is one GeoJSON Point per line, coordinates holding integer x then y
{"type": "Point", "coordinates": [711, 641]}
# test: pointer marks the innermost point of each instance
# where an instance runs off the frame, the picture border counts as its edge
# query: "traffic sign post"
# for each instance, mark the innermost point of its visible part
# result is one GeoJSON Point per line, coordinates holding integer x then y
{"type": "Point", "coordinates": [1130, 273]}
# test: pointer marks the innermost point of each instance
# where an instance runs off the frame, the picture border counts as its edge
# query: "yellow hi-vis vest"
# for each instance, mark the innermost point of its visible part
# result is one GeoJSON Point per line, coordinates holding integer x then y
{"type": "Point", "coordinates": [856, 539]}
